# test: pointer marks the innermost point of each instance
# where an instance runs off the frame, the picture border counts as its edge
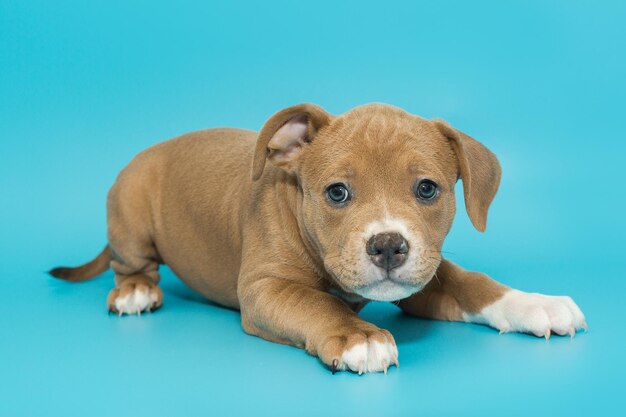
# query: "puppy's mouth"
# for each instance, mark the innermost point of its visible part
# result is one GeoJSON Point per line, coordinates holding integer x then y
{"type": "Point", "coordinates": [381, 286]}
{"type": "Point", "coordinates": [388, 289]}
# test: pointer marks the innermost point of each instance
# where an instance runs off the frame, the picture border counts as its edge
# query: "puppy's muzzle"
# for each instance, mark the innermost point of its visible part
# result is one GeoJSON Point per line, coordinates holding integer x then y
{"type": "Point", "coordinates": [387, 250]}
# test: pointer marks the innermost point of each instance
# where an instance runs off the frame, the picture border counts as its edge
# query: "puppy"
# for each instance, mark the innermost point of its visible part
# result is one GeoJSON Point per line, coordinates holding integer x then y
{"type": "Point", "coordinates": [350, 208]}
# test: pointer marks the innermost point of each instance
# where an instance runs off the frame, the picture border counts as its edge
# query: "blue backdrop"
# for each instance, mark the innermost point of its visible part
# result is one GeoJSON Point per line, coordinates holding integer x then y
{"type": "Point", "coordinates": [85, 85]}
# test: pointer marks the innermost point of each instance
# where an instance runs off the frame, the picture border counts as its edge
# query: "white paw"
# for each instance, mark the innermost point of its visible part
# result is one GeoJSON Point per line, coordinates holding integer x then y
{"type": "Point", "coordinates": [370, 356]}
{"type": "Point", "coordinates": [136, 301]}
{"type": "Point", "coordinates": [539, 314]}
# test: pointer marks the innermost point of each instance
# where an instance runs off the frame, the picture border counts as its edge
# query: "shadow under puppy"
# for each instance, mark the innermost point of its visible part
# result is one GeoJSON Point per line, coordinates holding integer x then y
{"type": "Point", "coordinates": [350, 208]}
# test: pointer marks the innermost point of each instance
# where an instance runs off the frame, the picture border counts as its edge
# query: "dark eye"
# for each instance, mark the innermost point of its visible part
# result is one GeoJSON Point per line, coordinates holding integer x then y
{"type": "Point", "coordinates": [338, 193]}
{"type": "Point", "coordinates": [426, 190]}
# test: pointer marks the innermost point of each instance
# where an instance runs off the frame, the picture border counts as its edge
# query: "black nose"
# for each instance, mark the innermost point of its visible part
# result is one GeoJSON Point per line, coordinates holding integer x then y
{"type": "Point", "coordinates": [387, 250]}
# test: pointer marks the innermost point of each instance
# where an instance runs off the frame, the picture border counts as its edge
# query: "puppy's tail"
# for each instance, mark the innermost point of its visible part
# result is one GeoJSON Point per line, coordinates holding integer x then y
{"type": "Point", "coordinates": [84, 272]}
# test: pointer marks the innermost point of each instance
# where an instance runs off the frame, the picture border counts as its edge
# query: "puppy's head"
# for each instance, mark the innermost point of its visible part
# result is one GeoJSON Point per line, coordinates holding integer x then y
{"type": "Point", "coordinates": [377, 190]}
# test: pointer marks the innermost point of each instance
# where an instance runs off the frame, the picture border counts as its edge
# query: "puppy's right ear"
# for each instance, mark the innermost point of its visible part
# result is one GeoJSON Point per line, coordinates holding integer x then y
{"type": "Point", "coordinates": [285, 134]}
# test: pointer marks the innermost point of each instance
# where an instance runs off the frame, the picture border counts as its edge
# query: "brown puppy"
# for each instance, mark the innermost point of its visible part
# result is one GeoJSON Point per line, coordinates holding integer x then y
{"type": "Point", "coordinates": [351, 208]}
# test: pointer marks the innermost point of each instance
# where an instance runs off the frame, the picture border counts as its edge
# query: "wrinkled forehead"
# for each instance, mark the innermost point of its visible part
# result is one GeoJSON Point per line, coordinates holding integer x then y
{"type": "Point", "coordinates": [381, 142]}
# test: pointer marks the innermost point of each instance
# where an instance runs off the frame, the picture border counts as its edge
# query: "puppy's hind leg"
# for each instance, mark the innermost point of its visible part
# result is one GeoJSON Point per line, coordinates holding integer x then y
{"type": "Point", "coordinates": [136, 277]}
{"type": "Point", "coordinates": [135, 259]}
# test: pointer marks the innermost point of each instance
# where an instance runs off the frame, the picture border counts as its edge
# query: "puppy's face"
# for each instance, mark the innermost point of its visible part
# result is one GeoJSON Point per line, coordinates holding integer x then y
{"type": "Point", "coordinates": [378, 200]}
{"type": "Point", "coordinates": [377, 196]}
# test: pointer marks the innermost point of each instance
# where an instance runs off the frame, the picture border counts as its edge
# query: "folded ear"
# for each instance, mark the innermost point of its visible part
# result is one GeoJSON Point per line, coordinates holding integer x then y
{"type": "Point", "coordinates": [479, 170]}
{"type": "Point", "coordinates": [285, 134]}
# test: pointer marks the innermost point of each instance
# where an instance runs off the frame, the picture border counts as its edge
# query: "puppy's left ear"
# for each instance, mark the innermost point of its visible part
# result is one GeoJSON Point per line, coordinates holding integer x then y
{"type": "Point", "coordinates": [479, 170]}
{"type": "Point", "coordinates": [285, 134]}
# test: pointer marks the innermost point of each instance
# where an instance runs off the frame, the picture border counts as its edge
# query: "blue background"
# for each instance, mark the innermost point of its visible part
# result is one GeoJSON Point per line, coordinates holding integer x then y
{"type": "Point", "coordinates": [86, 85]}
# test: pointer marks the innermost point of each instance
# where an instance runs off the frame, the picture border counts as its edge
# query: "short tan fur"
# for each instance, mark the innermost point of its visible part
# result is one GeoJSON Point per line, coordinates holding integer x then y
{"type": "Point", "coordinates": [245, 219]}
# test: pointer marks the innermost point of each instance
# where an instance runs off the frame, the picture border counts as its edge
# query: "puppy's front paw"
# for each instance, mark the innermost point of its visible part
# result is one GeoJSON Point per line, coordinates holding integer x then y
{"type": "Point", "coordinates": [133, 296]}
{"type": "Point", "coordinates": [533, 313]}
{"type": "Point", "coordinates": [372, 350]}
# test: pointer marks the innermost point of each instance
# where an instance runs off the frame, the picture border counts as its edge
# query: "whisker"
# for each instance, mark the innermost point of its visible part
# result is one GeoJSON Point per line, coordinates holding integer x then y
{"type": "Point", "coordinates": [437, 278]}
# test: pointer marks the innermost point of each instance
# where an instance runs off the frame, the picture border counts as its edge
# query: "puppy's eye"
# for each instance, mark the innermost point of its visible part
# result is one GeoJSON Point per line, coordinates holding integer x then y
{"type": "Point", "coordinates": [426, 190]}
{"type": "Point", "coordinates": [338, 193]}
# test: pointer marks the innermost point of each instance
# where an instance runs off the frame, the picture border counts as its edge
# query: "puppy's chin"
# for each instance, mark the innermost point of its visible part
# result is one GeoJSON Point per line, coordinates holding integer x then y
{"type": "Point", "coordinates": [387, 290]}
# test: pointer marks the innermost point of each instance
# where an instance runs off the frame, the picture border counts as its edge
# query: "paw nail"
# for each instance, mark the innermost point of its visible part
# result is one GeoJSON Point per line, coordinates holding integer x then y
{"type": "Point", "coordinates": [547, 335]}
{"type": "Point", "coordinates": [572, 332]}
{"type": "Point", "coordinates": [333, 367]}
